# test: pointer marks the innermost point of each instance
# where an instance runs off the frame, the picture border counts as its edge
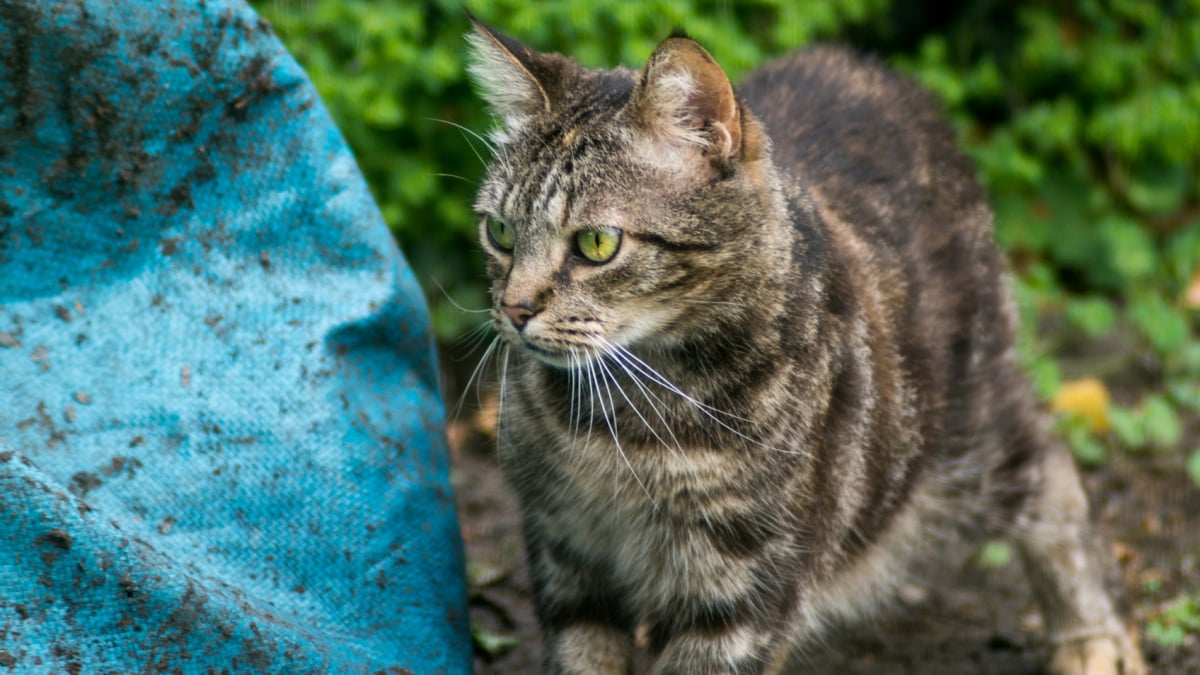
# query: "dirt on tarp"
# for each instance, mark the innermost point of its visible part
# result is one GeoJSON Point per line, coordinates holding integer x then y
{"type": "Point", "coordinates": [968, 618]}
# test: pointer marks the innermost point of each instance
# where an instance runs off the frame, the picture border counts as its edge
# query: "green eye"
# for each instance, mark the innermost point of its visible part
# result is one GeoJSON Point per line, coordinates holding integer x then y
{"type": "Point", "coordinates": [501, 234]}
{"type": "Point", "coordinates": [598, 245]}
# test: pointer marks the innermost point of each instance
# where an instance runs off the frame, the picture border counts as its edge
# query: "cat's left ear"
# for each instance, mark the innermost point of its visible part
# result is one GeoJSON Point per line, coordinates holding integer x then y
{"type": "Point", "coordinates": [684, 96]}
{"type": "Point", "coordinates": [516, 81]}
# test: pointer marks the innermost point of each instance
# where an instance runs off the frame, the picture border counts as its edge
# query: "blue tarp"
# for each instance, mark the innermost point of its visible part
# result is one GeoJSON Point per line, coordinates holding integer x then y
{"type": "Point", "coordinates": [221, 443]}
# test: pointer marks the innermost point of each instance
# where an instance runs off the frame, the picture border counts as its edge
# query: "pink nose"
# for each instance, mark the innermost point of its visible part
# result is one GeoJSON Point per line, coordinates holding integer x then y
{"type": "Point", "coordinates": [518, 314]}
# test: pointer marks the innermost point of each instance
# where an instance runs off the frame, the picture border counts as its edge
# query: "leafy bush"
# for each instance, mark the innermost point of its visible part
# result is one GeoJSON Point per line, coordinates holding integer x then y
{"type": "Point", "coordinates": [1082, 117]}
{"type": "Point", "coordinates": [393, 76]}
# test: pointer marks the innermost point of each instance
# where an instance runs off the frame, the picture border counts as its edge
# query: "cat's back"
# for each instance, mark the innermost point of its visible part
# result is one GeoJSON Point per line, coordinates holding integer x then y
{"type": "Point", "coordinates": [871, 144]}
{"type": "Point", "coordinates": [909, 227]}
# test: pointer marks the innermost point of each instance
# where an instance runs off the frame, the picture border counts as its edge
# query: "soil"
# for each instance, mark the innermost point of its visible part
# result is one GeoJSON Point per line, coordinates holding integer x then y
{"type": "Point", "coordinates": [963, 617]}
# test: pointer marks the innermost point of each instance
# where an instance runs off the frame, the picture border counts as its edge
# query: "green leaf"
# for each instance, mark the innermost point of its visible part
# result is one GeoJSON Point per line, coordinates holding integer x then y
{"type": "Point", "coordinates": [1162, 425]}
{"type": "Point", "coordinates": [491, 643]}
{"type": "Point", "coordinates": [995, 553]}
{"type": "Point", "coordinates": [1095, 316]}
{"type": "Point", "coordinates": [480, 574]}
{"type": "Point", "coordinates": [1189, 357]}
{"type": "Point", "coordinates": [1046, 377]}
{"type": "Point", "coordinates": [1166, 635]}
{"type": "Point", "coordinates": [1182, 254]}
{"type": "Point", "coordinates": [1186, 392]}
{"type": "Point", "coordinates": [1130, 248]}
{"type": "Point", "coordinates": [384, 112]}
{"type": "Point", "coordinates": [1085, 447]}
{"type": "Point", "coordinates": [1193, 466]}
{"type": "Point", "coordinates": [1161, 324]}
{"type": "Point", "coordinates": [1159, 187]}
{"type": "Point", "coordinates": [1152, 586]}
{"type": "Point", "coordinates": [1185, 612]}
{"type": "Point", "coordinates": [1127, 425]}
{"type": "Point", "coordinates": [1170, 626]}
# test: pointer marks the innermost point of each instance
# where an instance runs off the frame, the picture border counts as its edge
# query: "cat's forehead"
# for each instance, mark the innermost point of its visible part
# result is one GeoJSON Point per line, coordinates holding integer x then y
{"type": "Point", "coordinates": [562, 168]}
{"type": "Point", "coordinates": [580, 163]}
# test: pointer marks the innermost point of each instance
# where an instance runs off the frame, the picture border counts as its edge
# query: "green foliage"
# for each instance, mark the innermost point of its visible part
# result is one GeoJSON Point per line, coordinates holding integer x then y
{"type": "Point", "coordinates": [1084, 123]}
{"type": "Point", "coordinates": [491, 643]}
{"type": "Point", "coordinates": [994, 553]}
{"type": "Point", "coordinates": [1171, 626]}
{"type": "Point", "coordinates": [1088, 450]}
{"type": "Point", "coordinates": [393, 76]}
{"type": "Point", "coordinates": [1153, 424]}
{"type": "Point", "coordinates": [1083, 119]}
{"type": "Point", "coordinates": [1193, 466]}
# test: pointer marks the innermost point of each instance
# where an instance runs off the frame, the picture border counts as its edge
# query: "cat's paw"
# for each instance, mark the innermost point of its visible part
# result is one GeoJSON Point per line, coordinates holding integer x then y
{"type": "Point", "coordinates": [1101, 655]}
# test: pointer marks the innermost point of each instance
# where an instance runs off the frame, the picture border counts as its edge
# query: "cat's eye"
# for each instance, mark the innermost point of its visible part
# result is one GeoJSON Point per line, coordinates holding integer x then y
{"type": "Point", "coordinates": [501, 234]}
{"type": "Point", "coordinates": [598, 245]}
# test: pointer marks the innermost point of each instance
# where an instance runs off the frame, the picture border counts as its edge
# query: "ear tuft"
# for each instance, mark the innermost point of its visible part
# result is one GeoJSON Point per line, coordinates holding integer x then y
{"type": "Point", "coordinates": [517, 82]}
{"type": "Point", "coordinates": [685, 97]}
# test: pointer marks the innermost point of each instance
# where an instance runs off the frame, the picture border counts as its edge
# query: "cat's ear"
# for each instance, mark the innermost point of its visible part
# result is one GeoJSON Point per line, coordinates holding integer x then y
{"type": "Point", "coordinates": [684, 96]}
{"type": "Point", "coordinates": [516, 81]}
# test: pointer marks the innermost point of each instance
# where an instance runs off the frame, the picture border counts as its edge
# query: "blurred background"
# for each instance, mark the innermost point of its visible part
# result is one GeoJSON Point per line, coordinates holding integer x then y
{"type": "Point", "coordinates": [1082, 117]}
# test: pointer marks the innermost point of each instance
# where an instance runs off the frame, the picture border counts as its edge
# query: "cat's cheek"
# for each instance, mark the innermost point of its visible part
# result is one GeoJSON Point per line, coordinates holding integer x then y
{"type": "Point", "coordinates": [641, 325]}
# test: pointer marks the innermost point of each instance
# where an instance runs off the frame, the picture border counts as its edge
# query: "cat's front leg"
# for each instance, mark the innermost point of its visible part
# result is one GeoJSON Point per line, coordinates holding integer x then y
{"type": "Point", "coordinates": [583, 647]}
{"type": "Point", "coordinates": [743, 651]}
{"type": "Point", "coordinates": [747, 635]}
{"type": "Point", "coordinates": [585, 627]}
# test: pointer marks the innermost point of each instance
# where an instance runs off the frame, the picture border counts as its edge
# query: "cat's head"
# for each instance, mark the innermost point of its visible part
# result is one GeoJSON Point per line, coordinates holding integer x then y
{"type": "Point", "coordinates": [620, 208]}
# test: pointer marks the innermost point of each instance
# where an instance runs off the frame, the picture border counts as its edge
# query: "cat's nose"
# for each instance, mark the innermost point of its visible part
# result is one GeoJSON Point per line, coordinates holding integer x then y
{"type": "Point", "coordinates": [519, 314]}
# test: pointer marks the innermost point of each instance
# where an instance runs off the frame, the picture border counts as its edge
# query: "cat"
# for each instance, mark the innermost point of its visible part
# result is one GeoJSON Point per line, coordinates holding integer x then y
{"type": "Point", "coordinates": [756, 352]}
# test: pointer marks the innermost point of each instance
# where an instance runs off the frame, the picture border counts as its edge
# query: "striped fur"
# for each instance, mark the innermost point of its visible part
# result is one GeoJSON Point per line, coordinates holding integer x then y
{"type": "Point", "coordinates": [795, 373]}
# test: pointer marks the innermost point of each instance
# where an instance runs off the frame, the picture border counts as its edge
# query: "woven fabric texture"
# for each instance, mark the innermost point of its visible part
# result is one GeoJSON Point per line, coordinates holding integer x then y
{"type": "Point", "coordinates": [221, 436]}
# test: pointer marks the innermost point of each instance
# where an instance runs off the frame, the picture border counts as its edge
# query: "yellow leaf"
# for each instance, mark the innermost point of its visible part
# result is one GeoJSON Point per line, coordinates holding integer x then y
{"type": "Point", "coordinates": [1191, 296]}
{"type": "Point", "coordinates": [1087, 398]}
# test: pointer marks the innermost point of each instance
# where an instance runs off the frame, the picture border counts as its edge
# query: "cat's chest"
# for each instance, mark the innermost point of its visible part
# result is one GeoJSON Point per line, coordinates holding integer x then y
{"type": "Point", "coordinates": [599, 470]}
{"type": "Point", "coordinates": [638, 514]}
{"type": "Point", "coordinates": [614, 497]}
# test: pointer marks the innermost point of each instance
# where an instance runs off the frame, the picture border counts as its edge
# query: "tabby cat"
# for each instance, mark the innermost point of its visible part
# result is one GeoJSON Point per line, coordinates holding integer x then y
{"type": "Point", "coordinates": [757, 352]}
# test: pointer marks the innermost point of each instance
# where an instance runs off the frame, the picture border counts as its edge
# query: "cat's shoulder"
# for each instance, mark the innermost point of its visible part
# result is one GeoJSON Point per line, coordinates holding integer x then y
{"type": "Point", "coordinates": [847, 121]}
{"type": "Point", "coordinates": [827, 73]}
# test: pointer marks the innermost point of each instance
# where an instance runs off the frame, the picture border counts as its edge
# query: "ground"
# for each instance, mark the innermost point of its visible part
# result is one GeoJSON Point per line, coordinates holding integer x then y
{"type": "Point", "coordinates": [976, 617]}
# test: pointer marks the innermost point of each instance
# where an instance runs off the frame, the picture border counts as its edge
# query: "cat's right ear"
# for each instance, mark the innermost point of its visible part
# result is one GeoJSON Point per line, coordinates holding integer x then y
{"type": "Point", "coordinates": [516, 81]}
{"type": "Point", "coordinates": [684, 97]}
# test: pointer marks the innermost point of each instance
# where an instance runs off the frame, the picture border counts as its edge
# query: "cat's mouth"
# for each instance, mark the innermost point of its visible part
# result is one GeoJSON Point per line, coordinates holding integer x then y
{"type": "Point", "coordinates": [560, 349]}
{"type": "Point", "coordinates": [559, 356]}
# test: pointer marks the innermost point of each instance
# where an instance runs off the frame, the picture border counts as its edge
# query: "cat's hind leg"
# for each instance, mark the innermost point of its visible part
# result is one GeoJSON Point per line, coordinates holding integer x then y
{"type": "Point", "coordinates": [1086, 632]}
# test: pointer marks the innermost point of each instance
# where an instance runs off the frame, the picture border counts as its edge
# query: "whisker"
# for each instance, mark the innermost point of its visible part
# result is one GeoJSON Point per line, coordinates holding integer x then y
{"type": "Point", "coordinates": [455, 302]}
{"type": "Point", "coordinates": [714, 303]}
{"type": "Point", "coordinates": [591, 381]}
{"type": "Point", "coordinates": [474, 374]}
{"type": "Point", "coordinates": [503, 388]}
{"type": "Point", "coordinates": [475, 337]}
{"type": "Point", "coordinates": [466, 131]}
{"type": "Point", "coordinates": [482, 139]}
{"type": "Point", "coordinates": [662, 381]}
{"type": "Point", "coordinates": [575, 394]}
{"type": "Point", "coordinates": [656, 403]}
{"type": "Point", "coordinates": [634, 408]}
{"type": "Point", "coordinates": [611, 422]}
{"type": "Point", "coordinates": [622, 353]}
{"type": "Point", "coordinates": [454, 175]}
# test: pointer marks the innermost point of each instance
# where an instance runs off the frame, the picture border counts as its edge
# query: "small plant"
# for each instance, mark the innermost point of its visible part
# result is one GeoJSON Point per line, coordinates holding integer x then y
{"type": "Point", "coordinates": [493, 645]}
{"type": "Point", "coordinates": [1171, 626]}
